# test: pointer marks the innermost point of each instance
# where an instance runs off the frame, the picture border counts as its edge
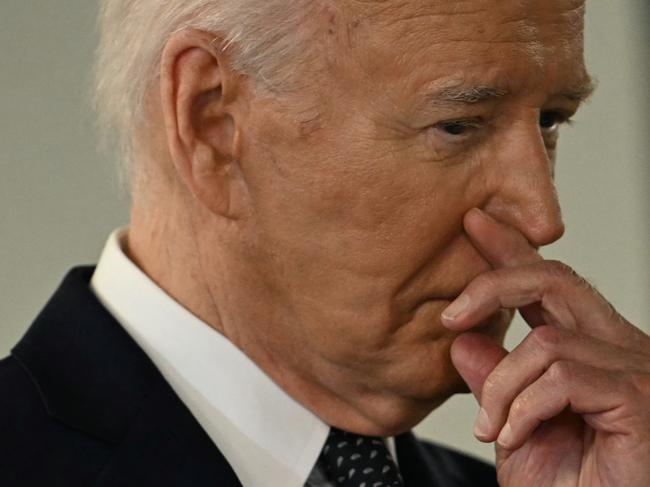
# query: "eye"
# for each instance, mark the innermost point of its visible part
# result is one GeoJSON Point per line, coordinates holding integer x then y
{"type": "Point", "coordinates": [448, 138]}
{"type": "Point", "coordinates": [551, 120]}
{"type": "Point", "coordinates": [458, 128]}
{"type": "Point", "coordinates": [454, 128]}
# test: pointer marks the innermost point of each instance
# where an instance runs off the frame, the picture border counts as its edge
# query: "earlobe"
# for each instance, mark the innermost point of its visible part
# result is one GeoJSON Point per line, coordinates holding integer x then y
{"type": "Point", "coordinates": [199, 93]}
{"type": "Point", "coordinates": [212, 181]}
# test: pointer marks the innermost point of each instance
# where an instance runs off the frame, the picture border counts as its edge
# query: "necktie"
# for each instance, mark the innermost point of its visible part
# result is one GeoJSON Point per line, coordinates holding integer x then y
{"type": "Point", "coordinates": [353, 460]}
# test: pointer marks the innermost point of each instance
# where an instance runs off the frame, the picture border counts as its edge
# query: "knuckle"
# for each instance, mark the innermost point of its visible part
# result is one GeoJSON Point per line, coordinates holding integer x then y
{"type": "Point", "coordinates": [640, 384]}
{"type": "Point", "coordinates": [586, 285]}
{"type": "Point", "coordinates": [611, 314]}
{"type": "Point", "coordinates": [486, 279]}
{"type": "Point", "coordinates": [559, 372]}
{"type": "Point", "coordinates": [548, 338]}
{"type": "Point", "coordinates": [490, 387]}
{"type": "Point", "coordinates": [560, 271]}
{"type": "Point", "coordinates": [518, 408]}
{"type": "Point", "coordinates": [565, 277]}
{"type": "Point", "coordinates": [558, 268]}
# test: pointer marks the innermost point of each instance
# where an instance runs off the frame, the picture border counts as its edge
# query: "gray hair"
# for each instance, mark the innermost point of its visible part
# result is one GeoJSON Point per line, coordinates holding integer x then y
{"type": "Point", "coordinates": [268, 38]}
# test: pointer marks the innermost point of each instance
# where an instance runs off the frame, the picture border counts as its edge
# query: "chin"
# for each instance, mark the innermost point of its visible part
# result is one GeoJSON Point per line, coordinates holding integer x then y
{"type": "Point", "coordinates": [413, 376]}
{"type": "Point", "coordinates": [393, 415]}
{"type": "Point", "coordinates": [419, 392]}
{"type": "Point", "coordinates": [433, 378]}
{"type": "Point", "coordinates": [422, 372]}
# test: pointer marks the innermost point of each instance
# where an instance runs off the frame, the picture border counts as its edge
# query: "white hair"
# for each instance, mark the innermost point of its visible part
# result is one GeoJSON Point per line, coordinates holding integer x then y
{"type": "Point", "coordinates": [267, 37]}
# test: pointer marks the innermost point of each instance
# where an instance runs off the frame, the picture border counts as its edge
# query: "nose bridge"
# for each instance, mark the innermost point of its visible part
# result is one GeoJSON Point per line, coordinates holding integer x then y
{"type": "Point", "coordinates": [525, 195]}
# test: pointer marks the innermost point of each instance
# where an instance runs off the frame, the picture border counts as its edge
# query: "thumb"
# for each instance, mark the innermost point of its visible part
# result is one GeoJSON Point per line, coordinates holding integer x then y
{"type": "Point", "coordinates": [475, 356]}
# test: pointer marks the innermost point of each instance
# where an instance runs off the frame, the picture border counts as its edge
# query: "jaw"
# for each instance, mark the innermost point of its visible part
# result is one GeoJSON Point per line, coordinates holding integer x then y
{"type": "Point", "coordinates": [377, 393]}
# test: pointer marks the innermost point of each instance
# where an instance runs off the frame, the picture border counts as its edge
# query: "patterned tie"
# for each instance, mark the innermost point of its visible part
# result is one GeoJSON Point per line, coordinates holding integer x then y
{"type": "Point", "coordinates": [353, 460]}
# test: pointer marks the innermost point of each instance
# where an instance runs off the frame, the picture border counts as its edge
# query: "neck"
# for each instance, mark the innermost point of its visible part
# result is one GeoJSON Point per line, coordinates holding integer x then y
{"type": "Point", "coordinates": [169, 242]}
{"type": "Point", "coordinates": [161, 243]}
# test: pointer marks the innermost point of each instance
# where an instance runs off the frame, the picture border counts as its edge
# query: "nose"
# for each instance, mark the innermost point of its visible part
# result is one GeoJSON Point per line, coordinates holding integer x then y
{"type": "Point", "coordinates": [524, 193]}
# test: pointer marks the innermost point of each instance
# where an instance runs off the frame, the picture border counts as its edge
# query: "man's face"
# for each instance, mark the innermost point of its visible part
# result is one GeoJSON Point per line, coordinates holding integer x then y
{"type": "Point", "coordinates": [420, 111]}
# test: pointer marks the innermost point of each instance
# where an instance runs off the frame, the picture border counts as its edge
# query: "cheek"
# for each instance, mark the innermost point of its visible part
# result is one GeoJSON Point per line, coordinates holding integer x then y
{"type": "Point", "coordinates": [373, 222]}
{"type": "Point", "coordinates": [341, 230]}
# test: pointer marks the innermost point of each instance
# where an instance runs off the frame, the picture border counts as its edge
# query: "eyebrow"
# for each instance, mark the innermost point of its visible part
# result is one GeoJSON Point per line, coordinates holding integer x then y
{"type": "Point", "coordinates": [478, 94]}
{"type": "Point", "coordinates": [471, 95]}
{"type": "Point", "coordinates": [582, 91]}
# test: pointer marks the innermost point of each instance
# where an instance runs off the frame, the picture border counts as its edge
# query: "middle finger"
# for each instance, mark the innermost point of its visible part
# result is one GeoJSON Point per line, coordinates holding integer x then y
{"type": "Point", "coordinates": [542, 347]}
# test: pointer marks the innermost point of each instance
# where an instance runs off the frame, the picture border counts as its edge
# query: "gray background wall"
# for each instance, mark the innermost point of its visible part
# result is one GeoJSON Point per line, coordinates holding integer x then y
{"type": "Point", "coordinates": [59, 197]}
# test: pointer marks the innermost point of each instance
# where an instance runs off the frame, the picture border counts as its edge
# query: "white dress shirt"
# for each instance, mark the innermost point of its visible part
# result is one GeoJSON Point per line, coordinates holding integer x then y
{"type": "Point", "coordinates": [267, 437]}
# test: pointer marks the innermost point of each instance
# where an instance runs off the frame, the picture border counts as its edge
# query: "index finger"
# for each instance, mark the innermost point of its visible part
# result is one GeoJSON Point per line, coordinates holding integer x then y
{"type": "Point", "coordinates": [500, 244]}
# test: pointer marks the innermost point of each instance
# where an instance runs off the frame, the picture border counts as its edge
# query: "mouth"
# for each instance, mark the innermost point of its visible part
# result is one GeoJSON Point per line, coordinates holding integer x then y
{"type": "Point", "coordinates": [486, 326]}
{"type": "Point", "coordinates": [443, 299]}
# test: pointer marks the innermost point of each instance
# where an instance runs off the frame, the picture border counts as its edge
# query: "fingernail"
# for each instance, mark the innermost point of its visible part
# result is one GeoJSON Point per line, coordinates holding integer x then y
{"type": "Point", "coordinates": [505, 437]}
{"type": "Point", "coordinates": [455, 309]}
{"type": "Point", "coordinates": [482, 425]}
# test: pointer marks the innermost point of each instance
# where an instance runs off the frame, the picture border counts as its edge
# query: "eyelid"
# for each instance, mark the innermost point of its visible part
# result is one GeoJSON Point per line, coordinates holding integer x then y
{"type": "Point", "coordinates": [473, 123]}
{"type": "Point", "coordinates": [463, 122]}
{"type": "Point", "coordinates": [564, 116]}
{"type": "Point", "coordinates": [443, 141]}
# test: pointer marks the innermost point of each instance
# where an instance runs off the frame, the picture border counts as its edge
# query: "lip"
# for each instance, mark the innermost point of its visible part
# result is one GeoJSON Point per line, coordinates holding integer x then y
{"type": "Point", "coordinates": [448, 298]}
{"type": "Point", "coordinates": [431, 306]}
{"type": "Point", "coordinates": [485, 324]}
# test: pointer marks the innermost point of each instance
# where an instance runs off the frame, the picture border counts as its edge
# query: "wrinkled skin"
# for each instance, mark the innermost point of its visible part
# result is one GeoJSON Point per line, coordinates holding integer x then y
{"type": "Point", "coordinates": [355, 237]}
{"type": "Point", "coordinates": [570, 405]}
{"type": "Point", "coordinates": [322, 230]}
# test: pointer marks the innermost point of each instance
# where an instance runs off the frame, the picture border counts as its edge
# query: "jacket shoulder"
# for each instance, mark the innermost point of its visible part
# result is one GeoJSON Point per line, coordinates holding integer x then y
{"type": "Point", "coordinates": [35, 449]}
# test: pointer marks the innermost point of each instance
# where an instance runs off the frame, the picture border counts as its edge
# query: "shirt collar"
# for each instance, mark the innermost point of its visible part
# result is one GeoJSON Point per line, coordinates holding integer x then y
{"type": "Point", "coordinates": [265, 435]}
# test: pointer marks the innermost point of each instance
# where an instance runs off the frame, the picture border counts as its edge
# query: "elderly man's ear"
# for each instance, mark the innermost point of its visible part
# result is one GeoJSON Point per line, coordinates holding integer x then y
{"type": "Point", "coordinates": [202, 102]}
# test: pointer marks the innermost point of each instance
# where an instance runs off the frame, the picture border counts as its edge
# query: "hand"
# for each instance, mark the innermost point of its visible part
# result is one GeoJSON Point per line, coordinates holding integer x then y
{"type": "Point", "coordinates": [570, 405]}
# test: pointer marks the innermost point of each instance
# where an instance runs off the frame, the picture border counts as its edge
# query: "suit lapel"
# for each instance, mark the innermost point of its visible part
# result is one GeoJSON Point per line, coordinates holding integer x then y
{"type": "Point", "coordinates": [166, 446]}
{"type": "Point", "coordinates": [425, 464]}
{"type": "Point", "coordinates": [94, 378]}
{"type": "Point", "coordinates": [416, 464]}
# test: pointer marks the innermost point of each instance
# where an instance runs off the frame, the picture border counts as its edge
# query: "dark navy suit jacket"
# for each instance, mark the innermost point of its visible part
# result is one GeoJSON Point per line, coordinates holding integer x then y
{"type": "Point", "coordinates": [82, 405]}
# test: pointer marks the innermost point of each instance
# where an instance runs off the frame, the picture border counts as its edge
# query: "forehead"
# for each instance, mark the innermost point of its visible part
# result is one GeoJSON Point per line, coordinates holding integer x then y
{"type": "Point", "coordinates": [511, 20]}
{"type": "Point", "coordinates": [513, 42]}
